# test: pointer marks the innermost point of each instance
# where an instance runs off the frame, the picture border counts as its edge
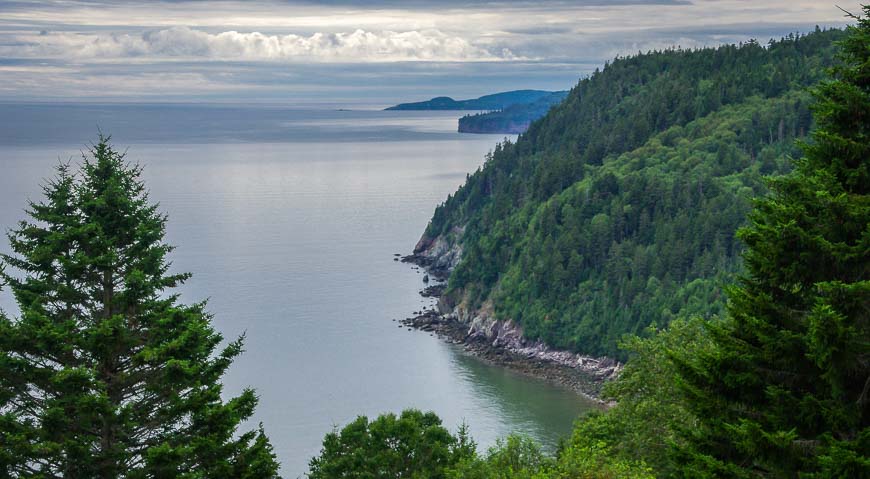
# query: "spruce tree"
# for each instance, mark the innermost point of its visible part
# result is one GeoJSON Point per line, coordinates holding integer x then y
{"type": "Point", "coordinates": [786, 392]}
{"type": "Point", "coordinates": [105, 373]}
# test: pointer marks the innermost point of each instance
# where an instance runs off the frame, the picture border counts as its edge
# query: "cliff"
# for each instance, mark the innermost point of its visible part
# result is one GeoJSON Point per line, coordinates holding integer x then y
{"type": "Point", "coordinates": [499, 340]}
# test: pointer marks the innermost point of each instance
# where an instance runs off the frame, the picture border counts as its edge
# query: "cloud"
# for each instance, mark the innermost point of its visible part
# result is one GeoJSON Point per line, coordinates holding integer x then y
{"type": "Point", "coordinates": [359, 46]}
{"type": "Point", "coordinates": [427, 4]}
{"type": "Point", "coordinates": [375, 51]}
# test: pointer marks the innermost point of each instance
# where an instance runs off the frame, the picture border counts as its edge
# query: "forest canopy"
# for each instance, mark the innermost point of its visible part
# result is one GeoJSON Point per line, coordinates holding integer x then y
{"type": "Point", "coordinates": [618, 209]}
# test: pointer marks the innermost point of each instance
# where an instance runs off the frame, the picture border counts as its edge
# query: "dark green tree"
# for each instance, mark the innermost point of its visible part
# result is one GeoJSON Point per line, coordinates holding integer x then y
{"type": "Point", "coordinates": [105, 374]}
{"type": "Point", "coordinates": [650, 409]}
{"type": "Point", "coordinates": [519, 457]}
{"type": "Point", "coordinates": [515, 457]}
{"type": "Point", "coordinates": [786, 391]}
{"type": "Point", "coordinates": [413, 445]}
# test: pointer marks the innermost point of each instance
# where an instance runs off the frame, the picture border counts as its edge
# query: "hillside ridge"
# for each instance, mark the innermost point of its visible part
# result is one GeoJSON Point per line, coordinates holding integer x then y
{"type": "Point", "coordinates": [617, 209]}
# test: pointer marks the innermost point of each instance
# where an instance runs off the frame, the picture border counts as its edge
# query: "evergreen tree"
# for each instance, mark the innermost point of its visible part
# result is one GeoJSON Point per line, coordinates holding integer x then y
{"type": "Point", "coordinates": [786, 392]}
{"type": "Point", "coordinates": [413, 445]}
{"type": "Point", "coordinates": [105, 374]}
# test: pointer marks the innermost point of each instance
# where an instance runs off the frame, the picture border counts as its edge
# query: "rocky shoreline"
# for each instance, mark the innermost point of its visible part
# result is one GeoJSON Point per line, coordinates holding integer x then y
{"type": "Point", "coordinates": [501, 342]}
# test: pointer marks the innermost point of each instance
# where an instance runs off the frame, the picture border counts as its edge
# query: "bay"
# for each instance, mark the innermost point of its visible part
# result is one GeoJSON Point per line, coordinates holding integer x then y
{"type": "Point", "coordinates": [289, 220]}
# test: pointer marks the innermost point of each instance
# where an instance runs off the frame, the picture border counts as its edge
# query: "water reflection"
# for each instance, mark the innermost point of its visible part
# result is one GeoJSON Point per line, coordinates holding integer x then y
{"type": "Point", "coordinates": [533, 407]}
{"type": "Point", "coordinates": [293, 243]}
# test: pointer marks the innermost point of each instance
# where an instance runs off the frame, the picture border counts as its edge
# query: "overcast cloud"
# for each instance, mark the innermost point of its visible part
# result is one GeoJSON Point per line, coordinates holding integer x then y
{"type": "Point", "coordinates": [187, 43]}
{"type": "Point", "coordinates": [354, 52]}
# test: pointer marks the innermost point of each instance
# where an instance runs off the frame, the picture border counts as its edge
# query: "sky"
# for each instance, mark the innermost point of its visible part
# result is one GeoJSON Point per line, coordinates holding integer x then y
{"type": "Point", "coordinates": [353, 52]}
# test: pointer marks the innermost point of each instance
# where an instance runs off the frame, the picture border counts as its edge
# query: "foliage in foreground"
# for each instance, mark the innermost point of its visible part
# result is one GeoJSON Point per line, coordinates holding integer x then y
{"type": "Point", "coordinates": [650, 409]}
{"type": "Point", "coordinates": [786, 391]}
{"type": "Point", "coordinates": [411, 445]}
{"type": "Point", "coordinates": [105, 373]}
{"type": "Point", "coordinates": [780, 386]}
{"type": "Point", "coordinates": [415, 445]}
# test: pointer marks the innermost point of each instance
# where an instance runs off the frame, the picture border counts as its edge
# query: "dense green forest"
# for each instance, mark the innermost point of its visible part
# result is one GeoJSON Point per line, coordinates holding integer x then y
{"type": "Point", "coordinates": [617, 210]}
{"type": "Point", "coordinates": [777, 387]}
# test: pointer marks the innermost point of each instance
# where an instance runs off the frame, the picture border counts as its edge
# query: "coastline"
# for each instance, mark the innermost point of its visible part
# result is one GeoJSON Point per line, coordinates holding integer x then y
{"type": "Point", "coordinates": [501, 342]}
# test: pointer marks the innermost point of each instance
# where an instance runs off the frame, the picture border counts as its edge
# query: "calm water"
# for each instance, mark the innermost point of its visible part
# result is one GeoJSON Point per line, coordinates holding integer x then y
{"type": "Point", "coordinates": [289, 220]}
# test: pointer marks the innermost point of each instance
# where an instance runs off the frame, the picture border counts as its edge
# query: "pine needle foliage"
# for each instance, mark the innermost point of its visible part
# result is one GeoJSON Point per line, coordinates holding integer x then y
{"type": "Point", "coordinates": [786, 392]}
{"type": "Point", "coordinates": [105, 373]}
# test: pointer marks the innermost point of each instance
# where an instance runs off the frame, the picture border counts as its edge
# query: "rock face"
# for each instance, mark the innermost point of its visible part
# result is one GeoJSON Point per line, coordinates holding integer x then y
{"type": "Point", "coordinates": [508, 335]}
{"type": "Point", "coordinates": [478, 327]}
{"type": "Point", "coordinates": [438, 255]}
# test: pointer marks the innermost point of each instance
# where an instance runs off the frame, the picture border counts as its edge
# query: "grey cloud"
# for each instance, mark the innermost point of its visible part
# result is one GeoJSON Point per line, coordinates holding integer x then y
{"type": "Point", "coordinates": [353, 47]}
{"type": "Point", "coordinates": [13, 5]}
{"type": "Point", "coordinates": [753, 30]}
{"type": "Point", "coordinates": [351, 51]}
{"type": "Point", "coordinates": [598, 46]}
{"type": "Point", "coordinates": [541, 30]}
{"type": "Point", "coordinates": [428, 4]}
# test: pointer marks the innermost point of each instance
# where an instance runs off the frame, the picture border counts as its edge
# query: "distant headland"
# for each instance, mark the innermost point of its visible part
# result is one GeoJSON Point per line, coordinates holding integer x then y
{"type": "Point", "coordinates": [507, 112]}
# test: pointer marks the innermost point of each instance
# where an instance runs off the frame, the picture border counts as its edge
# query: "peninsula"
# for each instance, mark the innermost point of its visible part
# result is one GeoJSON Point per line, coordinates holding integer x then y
{"type": "Point", "coordinates": [507, 112]}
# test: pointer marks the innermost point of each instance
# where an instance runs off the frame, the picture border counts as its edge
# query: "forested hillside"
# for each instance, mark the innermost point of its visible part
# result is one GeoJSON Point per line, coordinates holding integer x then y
{"type": "Point", "coordinates": [775, 388]}
{"type": "Point", "coordinates": [618, 209]}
